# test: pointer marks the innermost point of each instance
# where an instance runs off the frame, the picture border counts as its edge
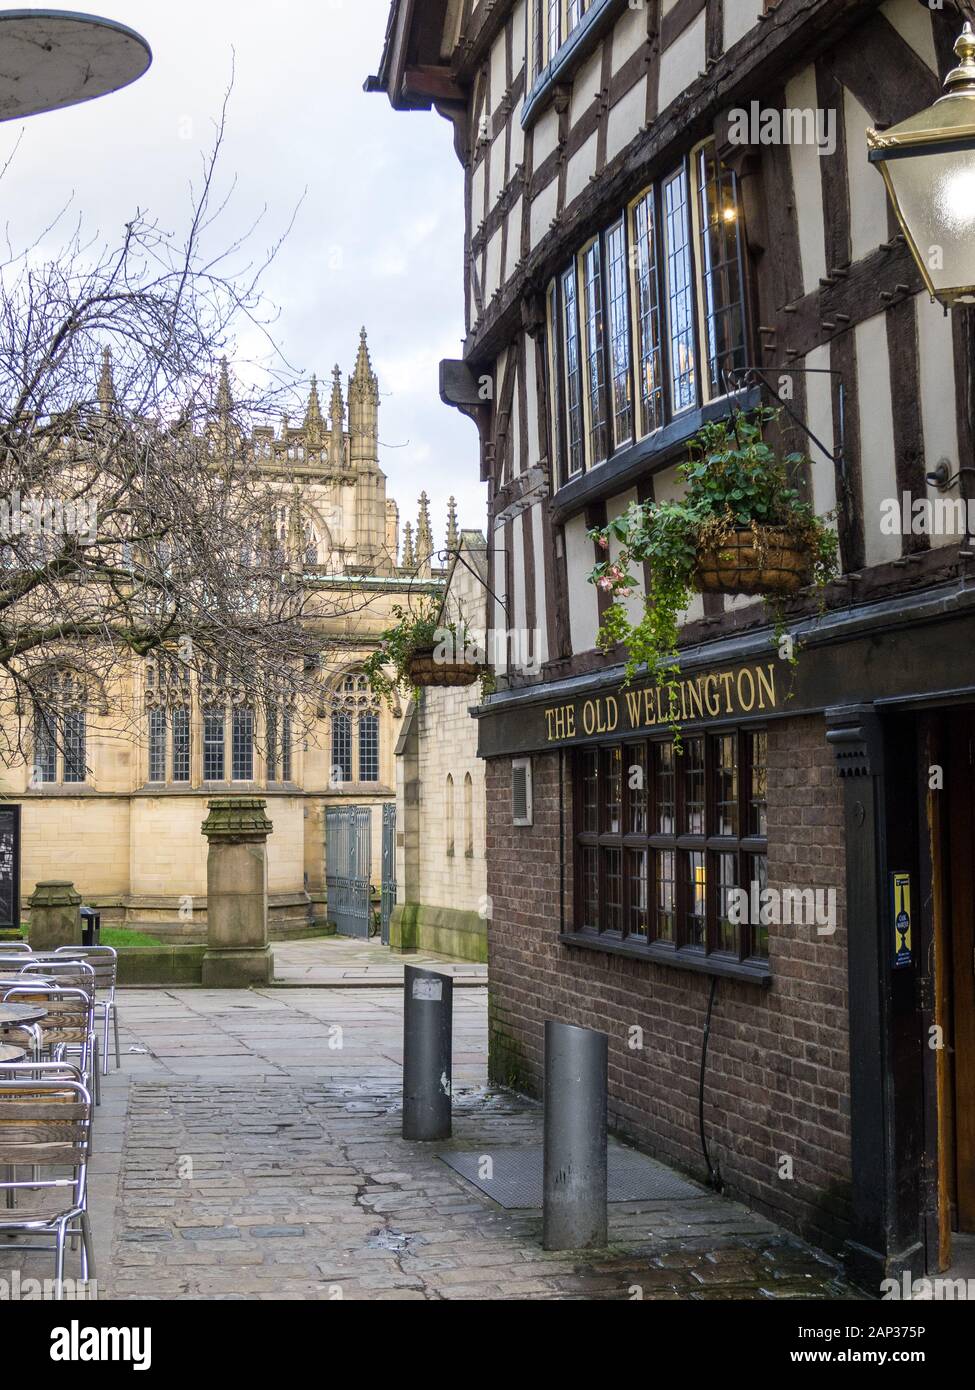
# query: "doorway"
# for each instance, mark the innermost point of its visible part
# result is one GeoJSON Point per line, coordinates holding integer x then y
{"type": "Point", "coordinates": [949, 745]}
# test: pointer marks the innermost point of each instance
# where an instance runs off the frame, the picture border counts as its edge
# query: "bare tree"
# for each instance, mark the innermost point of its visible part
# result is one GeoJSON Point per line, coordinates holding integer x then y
{"type": "Point", "coordinates": [135, 520]}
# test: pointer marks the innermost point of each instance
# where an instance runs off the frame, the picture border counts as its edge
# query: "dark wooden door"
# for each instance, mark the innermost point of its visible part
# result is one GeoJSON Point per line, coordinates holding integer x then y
{"type": "Point", "coordinates": [960, 864]}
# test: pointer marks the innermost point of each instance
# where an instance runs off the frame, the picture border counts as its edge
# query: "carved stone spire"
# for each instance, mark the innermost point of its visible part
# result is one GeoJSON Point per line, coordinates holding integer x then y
{"type": "Point", "coordinates": [453, 535]}
{"type": "Point", "coordinates": [364, 410]}
{"type": "Point", "coordinates": [313, 414]}
{"type": "Point", "coordinates": [107, 400]}
{"type": "Point", "coordinates": [409, 558]}
{"type": "Point", "coordinates": [424, 536]}
{"type": "Point", "coordinates": [337, 414]}
{"type": "Point", "coordinates": [224, 403]}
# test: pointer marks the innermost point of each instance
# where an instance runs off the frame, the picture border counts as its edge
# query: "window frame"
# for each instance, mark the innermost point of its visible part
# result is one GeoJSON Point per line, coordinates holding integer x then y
{"type": "Point", "coordinates": [606, 840]}
{"type": "Point", "coordinates": [565, 319]}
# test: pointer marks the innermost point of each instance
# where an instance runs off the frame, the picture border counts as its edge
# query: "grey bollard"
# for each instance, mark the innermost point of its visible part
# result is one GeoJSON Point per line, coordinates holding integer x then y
{"type": "Point", "coordinates": [427, 1037]}
{"type": "Point", "coordinates": [574, 1181]}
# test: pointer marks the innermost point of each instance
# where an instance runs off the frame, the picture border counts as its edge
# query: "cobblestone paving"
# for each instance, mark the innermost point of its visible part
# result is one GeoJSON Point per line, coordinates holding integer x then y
{"type": "Point", "coordinates": [250, 1149]}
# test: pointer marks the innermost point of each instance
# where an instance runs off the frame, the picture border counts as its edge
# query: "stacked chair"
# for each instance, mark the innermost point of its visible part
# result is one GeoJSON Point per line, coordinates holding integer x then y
{"type": "Point", "coordinates": [46, 1101]}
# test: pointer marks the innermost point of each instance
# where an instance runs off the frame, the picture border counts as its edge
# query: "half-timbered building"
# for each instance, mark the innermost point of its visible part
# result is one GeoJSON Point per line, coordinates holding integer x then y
{"type": "Point", "coordinates": [669, 212]}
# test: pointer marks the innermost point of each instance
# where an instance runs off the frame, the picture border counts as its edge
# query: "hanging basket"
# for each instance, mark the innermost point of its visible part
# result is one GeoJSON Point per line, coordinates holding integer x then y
{"type": "Point", "coordinates": [425, 670]}
{"type": "Point", "coordinates": [763, 560]}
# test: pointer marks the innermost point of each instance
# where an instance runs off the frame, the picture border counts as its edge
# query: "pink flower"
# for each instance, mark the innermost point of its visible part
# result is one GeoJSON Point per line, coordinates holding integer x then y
{"type": "Point", "coordinates": [625, 593]}
{"type": "Point", "coordinates": [604, 583]}
{"type": "Point", "coordinates": [602, 542]}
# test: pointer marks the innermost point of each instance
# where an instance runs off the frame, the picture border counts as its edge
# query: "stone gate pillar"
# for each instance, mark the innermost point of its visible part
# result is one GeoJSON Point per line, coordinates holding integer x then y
{"type": "Point", "coordinates": [55, 915]}
{"type": "Point", "coordinates": [238, 955]}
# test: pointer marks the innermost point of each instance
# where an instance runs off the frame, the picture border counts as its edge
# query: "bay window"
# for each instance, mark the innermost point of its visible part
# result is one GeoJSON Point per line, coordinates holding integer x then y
{"type": "Point", "coordinates": [553, 22]}
{"type": "Point", "coordinates": [649, 319]}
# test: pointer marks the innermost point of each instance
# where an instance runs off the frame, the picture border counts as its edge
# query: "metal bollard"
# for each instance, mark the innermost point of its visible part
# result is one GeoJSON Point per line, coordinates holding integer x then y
{"type": "Point", "coordinates": [574, 1182]}
{"type": "Point", "coordinates": [427, 1035]}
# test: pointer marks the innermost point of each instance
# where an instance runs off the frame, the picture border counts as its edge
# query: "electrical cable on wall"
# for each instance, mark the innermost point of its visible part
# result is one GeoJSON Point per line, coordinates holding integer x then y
{"type": "Point", "coordinates": [714, 1174]}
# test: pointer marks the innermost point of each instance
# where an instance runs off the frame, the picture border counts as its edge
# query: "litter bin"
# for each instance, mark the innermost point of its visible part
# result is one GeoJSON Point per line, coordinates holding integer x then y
{"type": "Point", "coordinates": [91, 923]}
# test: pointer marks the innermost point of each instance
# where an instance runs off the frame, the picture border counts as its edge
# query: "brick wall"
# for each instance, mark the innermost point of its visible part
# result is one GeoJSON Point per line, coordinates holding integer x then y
{"type": "Point", "coordinates": [777, 1077]}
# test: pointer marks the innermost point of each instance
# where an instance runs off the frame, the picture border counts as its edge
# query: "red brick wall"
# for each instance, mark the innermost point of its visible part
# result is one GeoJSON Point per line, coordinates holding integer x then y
{"type": "Point", "coordinates": [777, 1079]}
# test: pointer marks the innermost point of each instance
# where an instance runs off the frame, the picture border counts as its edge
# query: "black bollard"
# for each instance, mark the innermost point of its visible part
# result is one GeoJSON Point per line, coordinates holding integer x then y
{"type": "Point", "coordinates": [574, 1184]}
{"type": "Point", "coordinates": [427, 1035]}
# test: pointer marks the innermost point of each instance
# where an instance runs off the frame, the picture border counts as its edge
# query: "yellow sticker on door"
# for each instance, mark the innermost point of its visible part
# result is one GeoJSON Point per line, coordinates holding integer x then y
{"type": "Point", "coordinates": [903, 949]}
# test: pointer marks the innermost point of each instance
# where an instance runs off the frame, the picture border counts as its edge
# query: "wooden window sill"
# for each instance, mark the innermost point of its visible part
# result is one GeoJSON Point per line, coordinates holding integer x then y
{"type": "Point", "coordinates": [752, 971]}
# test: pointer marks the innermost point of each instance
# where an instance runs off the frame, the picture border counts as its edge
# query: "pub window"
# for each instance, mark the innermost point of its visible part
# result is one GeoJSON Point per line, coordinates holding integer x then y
{"type": "Point", "coordinates": [242, 744]}
{"type": "Point", "coordinates": [619, 335]}
{"type": "Point", "coordinates": [213, 749]}
{"type": "Point", "coordinates": [449, 814]}
{"type": "Point", "coordinates": [594, 351]}
{"type": "Point", "coordinates": [368, 748]}
{"type": "Point", "coordinates": [181, 743]}
{"type": "Point", "coordinates": [723, 295]}
{"type": "Point", "coordinates": [157, 745]}
{"type": "Point", "coordinates": [679, 293]}
{"type": "Point", "coordinates": [661, 840]}
{"type": "Point", "coordinates": [647, 306]}
{"type": "Point", "coordinates": [650, 319]}
{"type": "Point", "coordinates": [553, 22]}
{"type": "Point", "coordinates": [341, 748]}
{"type": "Point", "coordinates": [572, 374]}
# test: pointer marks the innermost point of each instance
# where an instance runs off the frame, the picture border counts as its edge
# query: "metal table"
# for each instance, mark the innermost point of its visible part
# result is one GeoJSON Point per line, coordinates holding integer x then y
{"type": "Point", "coordinates": [19, 1015]}
{"type": "Point", "coordinates": [11, 1054]}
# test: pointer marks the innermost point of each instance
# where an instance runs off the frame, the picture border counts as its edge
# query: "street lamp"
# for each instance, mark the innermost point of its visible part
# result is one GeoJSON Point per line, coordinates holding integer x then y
{"type": "Point", "coordinates": [928, 164]}
{"type": "Point", "coordinates": [55, 58]}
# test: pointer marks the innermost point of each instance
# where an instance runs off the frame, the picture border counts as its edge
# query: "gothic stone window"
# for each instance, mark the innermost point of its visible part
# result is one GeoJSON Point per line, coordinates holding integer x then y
{"type": "Point", "coordinates": [648, 320]}
{"type": "Point", "coordinates": [169, 700]}
{"type": "Point", "coordinates": [355, 732]}
{"type": "Point", "coordinates": [60, 733]}
{"type": "Point", "coordinates": [661, 838]}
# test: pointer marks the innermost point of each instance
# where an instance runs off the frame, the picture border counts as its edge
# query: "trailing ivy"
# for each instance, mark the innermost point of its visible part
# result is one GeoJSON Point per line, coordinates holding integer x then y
{"type": "Point", "coordinates": [734, 481]}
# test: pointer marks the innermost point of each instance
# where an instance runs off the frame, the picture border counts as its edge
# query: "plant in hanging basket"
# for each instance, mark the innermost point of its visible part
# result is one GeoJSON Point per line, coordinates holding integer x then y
{"type": "Point", "coordinates": [754, 560]}
{"type": "Point", "coordinates": [422, 649]}
{"type": "Point", "coordinates": [740, 528]}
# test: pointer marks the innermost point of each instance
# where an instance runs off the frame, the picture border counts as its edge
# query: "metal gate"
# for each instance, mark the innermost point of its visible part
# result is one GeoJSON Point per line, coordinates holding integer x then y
{"type": "Point", "coordinates": [348, 856]}
{"type": "Point", "coordinates": [388, 899]}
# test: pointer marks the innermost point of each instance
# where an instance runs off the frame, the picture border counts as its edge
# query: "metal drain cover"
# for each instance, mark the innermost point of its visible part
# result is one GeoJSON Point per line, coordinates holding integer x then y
{"type": "Point", "coordinates": [513, 1177]}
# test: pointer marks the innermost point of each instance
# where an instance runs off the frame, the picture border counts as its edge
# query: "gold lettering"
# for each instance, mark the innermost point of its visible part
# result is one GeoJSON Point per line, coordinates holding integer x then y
{"type": "Point", "coordinates": [649, 717]}
{"type": "Point", "coordinates": [549, 718]}
{"type": "Point", "coordinates": [745, 675]}
{"type": "Point", "coordinates": [695, 697]}
{"type": "Point", "coordinates": [766, 685]}
{"type": "Point", "coordinates": [726, 678]}
{"type": "Point", "coordinates": [713, 703]}
{"type": "Point", "coordinates": [633, 705]}
{"type": "Point", "coordinates": [589, 717]}
{"type": "Point", "coordinates": [570, 721]}
{"type": "Point", "coordinates": [614, 711]}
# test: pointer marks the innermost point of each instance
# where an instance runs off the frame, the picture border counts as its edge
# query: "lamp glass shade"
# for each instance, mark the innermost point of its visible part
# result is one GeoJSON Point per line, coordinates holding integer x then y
{"type": "Point", "coordinates": [934, 195]}
{"type": "Point", "coordinates": [928, 165]}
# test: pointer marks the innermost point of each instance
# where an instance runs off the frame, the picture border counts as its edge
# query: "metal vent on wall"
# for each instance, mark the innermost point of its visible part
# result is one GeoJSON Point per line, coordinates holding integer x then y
{"type": "Point", "coordinates": [521, 791]}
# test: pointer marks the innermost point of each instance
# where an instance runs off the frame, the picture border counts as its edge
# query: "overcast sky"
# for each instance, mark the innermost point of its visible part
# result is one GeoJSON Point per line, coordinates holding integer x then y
{"type": "Point", "coordinates": [378, 239]}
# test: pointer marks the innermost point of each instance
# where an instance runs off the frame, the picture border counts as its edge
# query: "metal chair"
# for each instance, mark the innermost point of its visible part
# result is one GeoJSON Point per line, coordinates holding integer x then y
{"type": "Point", "coordinates": [67, 1030]}
{"type": "Point", "coordinates": [45, 1122]}
{"type": "Point", "coordinates": [104, 961]}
